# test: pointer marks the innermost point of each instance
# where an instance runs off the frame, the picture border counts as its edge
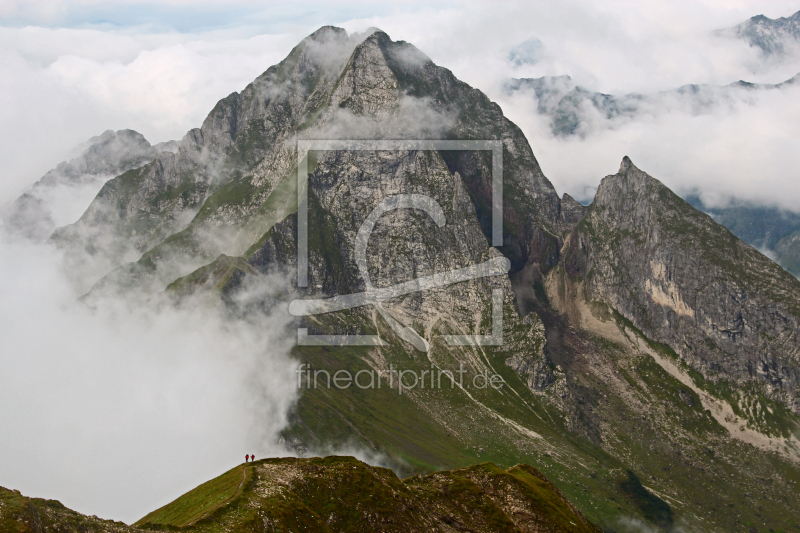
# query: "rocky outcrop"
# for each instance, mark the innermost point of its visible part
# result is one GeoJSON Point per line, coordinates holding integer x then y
{"type": "Point", "coordinates": [572, 211]}
{"type": "Point", "coordinates": [20, 514]}
{"type": "Point", "coordinates": [687, 282]}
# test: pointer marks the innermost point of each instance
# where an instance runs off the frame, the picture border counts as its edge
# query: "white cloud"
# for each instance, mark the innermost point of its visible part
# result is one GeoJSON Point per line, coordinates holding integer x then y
{"type": "Point", "coordinates": [60, 87]}
{"type": "Point", "coordinates": [117, 411]}
{"type": "Point", "coordinates": [747, 149]}
{"type": "Point", "coordinates": [746, 146]}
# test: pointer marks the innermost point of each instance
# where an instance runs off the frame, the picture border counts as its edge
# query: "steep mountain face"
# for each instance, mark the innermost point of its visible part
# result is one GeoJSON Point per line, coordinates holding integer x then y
{"type": "Point", "coordinates": [687, 282]}
{"type": "Point", "coordinates": [213, 196]}
{"type": "Point", "coordinates": [773, 231]}
{"type": "Point", "coordinates": [329, 495]}
{"type": "Point", "coordinates": [573, 109]}
{"type": "Point", "coordinates": [106, 156]}
{"type": "Point", "coordinates": [774, 37]}
{"type": "Point", "coordinates": [648, 359]}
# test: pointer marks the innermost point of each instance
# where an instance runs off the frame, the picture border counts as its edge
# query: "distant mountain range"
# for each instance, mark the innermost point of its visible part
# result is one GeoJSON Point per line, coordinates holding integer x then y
{"type": "Point", "coordinates": [774, 231]}
{"type": "Point", "coordinates": [573, 109]}
{"type": "Point", "coordinates": [774, 37]}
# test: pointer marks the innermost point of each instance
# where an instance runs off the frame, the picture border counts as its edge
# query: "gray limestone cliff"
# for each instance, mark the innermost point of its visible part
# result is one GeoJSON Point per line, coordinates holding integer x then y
{"type": "Point", "coordinates": [230, 180]}
{"type": "Point", "coordinates": [686, 281]}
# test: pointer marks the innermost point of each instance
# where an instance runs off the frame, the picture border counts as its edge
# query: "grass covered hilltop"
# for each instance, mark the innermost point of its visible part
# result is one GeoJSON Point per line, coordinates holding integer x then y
{"type": "Point", "coordinates": [328, 495]}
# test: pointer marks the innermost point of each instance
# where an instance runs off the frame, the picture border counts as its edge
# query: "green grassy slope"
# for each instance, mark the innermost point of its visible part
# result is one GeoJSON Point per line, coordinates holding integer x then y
{"type": "Point", "coordinates": [343, 494]}
{"type": "Point", "coordinates": [202, 501]}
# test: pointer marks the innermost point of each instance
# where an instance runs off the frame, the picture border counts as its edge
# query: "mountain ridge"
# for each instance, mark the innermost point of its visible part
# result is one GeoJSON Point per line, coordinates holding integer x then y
{"type": "Point", "coordinates": [333, 494]}
{"type": "Point", "coordinates": [769, 229]}
{"type": "Point", "coordinates": [774, 37]}
{"type": "Point", "coordinates": [104, 156]}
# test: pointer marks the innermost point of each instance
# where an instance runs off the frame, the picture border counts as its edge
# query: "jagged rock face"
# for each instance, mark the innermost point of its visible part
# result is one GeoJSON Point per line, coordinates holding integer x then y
{"type": "Point", "coordinates": [404, 244]}
{"type": "Point", "coordinates": [107, 155]}
{"type": "Point", "coordinates": [572, 210]}
{"type": "Point", "coordinates": [686, 281]}
{"type": "Point", "coordinates": [240, 145]}
{"type": "Point", "coordinates": [213, 192]}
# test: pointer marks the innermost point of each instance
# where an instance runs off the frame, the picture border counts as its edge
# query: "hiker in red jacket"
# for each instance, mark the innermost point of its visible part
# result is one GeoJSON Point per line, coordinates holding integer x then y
{"type": "Point", "coordinates": [246, 458]}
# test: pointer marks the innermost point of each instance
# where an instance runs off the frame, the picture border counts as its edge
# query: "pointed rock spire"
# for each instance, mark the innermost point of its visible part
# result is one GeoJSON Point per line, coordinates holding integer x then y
{"type": "Point", "coordinates": [625, 165]}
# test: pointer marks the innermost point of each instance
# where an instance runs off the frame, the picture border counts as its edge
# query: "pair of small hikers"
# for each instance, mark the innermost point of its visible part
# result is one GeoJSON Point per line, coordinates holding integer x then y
{"type": "Point", "coordinates": [249, 458]}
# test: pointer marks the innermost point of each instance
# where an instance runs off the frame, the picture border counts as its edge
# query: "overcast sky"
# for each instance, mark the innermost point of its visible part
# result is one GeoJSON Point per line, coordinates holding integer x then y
{"type": "Point", "coordinates": [71, 70]}
{"type": "Point", "coordinates": [116, 414]}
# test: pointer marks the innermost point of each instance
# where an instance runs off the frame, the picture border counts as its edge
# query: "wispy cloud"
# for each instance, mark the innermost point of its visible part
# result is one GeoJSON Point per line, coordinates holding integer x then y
{"type": "Point", "coordinates": [117, 410]}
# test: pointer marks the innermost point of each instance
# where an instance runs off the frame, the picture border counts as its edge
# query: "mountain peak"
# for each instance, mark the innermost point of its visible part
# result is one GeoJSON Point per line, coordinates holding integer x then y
{"type": "Point", "coordinates": [775, 37]}
{"type": "Point", "coordinates": [326, 33]}
{"type": "Point", "coordinates": [589, 283]}
{"type": "Point", "coordinates": [625, 165]}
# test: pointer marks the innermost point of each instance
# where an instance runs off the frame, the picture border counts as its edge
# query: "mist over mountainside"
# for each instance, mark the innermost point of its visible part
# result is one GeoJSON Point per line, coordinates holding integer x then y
{"type": "Point", "coordinates": [574, 110]}
{"type": "Point", "coordinates": [39, 210]}
{"type": "Point", "coordinates": [694, 129]}
{"type": "Point", "coordinates": [775, 232]}
{"type": "Point", "coordinates": [649, 359]}
{"type": "Point", "coordinates": [775, 37]}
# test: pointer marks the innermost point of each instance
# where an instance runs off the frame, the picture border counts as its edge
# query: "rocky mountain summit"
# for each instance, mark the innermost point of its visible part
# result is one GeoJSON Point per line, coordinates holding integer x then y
{"type": "Point", "coordinates": [648, 358]}
{"type": "Point", "coordinates": [774, 37]}
{"type": "Point", "coordinates": [687, 282]}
